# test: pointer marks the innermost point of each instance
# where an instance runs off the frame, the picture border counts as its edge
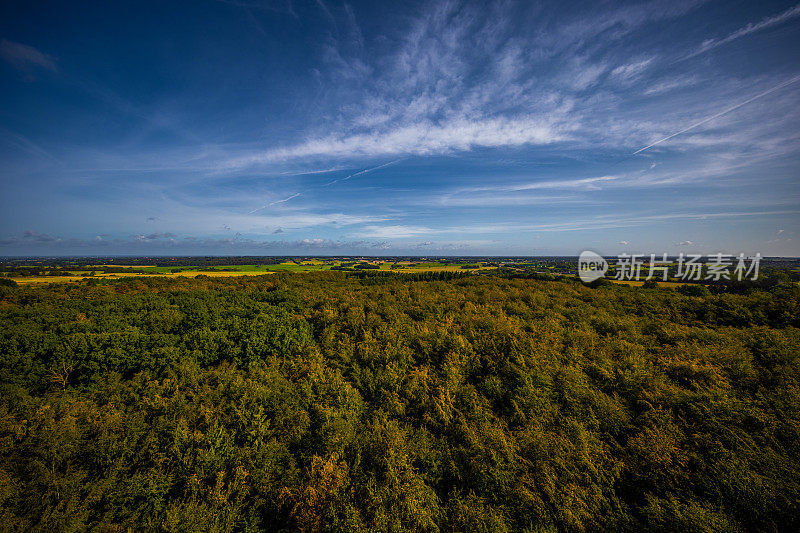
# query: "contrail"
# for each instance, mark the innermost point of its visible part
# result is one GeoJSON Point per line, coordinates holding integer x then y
{"type": "Point", "coordinates": [747, 30]}
{"type": "Point", "coordinates": [365, 171]}
{"type": "Point", "coordinates": [359, 173]}
{"type": "Point", "coordinates": [737, 106]}
{"type": "Point", "coordinates": [295, 195]}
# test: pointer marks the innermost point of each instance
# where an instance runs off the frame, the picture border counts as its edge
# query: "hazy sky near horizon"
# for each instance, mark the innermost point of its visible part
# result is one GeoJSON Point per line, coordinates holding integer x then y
{"type": "Point", "coordinates": [399, 128]}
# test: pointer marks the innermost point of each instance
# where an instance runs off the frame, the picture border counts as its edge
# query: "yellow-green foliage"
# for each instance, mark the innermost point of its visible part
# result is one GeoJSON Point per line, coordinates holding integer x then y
{"type": "Point", "coordinates": [324, 402]}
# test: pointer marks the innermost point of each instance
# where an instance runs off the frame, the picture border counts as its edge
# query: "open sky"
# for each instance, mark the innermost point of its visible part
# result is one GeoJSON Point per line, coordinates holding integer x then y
{"type": "Point", "coordinates": [389, 128]}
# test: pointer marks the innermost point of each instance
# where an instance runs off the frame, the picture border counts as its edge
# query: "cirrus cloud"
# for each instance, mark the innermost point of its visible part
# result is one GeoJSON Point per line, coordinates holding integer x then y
{"type": "Point", "coordinates": [22, 57]}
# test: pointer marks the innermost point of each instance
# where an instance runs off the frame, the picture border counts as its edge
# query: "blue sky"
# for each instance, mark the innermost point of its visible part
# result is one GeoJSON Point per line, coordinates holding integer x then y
{"type": "Point", "coordinates": [420, 128]}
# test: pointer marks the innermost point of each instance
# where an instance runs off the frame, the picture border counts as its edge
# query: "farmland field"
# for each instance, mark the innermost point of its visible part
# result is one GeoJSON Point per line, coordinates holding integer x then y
{"type": "Point", "coordinates": [122, 271]}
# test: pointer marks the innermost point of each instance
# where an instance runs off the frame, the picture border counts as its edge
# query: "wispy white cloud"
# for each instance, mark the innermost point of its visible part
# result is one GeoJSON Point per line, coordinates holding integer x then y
{"type": "Point", "coordinates": [22, 56]}
{"type": "Point", "coordinates": [579, 183]}
{"type": "Point", "coordinates": [419, 139]}
{"type": "Point", "coordinates": [765, 23]}
{"type": "Point", "coordinates": [498, 200]}
{"type": "Point", "coordinates": [583, 74]}
{"type": "Point", "coordinates": [394, 231]}
{"type": "Point", "coordinates": [301, 220]}
{"type": "Point", "coordinates": [604, 222]}
{"type": "Point", "coordinates": [463, 78]}
{"type": "Point", "coordinates": [676, 82]}
{"type": "Point", "coordinates": [591, 183]}
{"type": "Point", "coordinates": [631, 70]}
{"type": "Point", "coordinates": [563, 95]}
{"type": "Point", "coordinates": [440, 92]}
{"type": "Point", "coordinates": [26, 145]}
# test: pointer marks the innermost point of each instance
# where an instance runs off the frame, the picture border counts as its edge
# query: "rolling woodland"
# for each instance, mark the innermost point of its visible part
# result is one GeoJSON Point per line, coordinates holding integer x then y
{"type": "Point", "coordinates": [332, 402]}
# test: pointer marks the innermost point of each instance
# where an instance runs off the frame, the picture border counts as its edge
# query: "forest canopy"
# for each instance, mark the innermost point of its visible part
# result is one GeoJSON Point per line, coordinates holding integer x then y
{"type": "Point", "coordinates": [332, 402]}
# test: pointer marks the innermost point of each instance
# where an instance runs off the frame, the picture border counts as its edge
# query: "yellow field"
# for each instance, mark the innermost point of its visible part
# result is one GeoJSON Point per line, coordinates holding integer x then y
{"type": "Point", "coordinates": [119, 266]}
{"type": "Point", "coordinates": [24, 280]}
{"type": "Point", "coordinates": [45, 279]}
{"type": "Point", "coordinates": [66, 279]}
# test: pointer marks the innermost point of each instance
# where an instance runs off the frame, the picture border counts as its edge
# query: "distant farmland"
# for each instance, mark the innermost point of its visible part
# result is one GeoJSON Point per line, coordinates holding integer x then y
{"type": "Point", "coordinates": [106, 271]}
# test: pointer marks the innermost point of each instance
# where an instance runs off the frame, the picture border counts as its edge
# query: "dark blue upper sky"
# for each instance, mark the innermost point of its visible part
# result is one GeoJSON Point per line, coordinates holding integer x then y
{"type": "Point", "coordinates": [289, 127]}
